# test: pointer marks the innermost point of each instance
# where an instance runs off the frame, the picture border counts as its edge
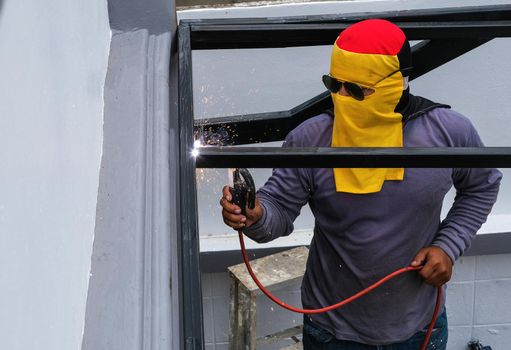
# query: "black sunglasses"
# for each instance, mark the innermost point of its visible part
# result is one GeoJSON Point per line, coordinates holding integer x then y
{"type": "Point", "coordinates": [334, 86]}
{"type": "Point", "coordinates": [356, 91]}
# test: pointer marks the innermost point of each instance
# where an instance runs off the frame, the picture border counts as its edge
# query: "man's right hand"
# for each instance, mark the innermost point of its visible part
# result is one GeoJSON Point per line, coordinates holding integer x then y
{"type": "Point", "coordinates": [232, 213]}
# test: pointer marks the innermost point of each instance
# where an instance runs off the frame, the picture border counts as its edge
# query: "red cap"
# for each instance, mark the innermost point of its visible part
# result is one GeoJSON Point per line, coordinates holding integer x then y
{"type": "Point", "coordinates": [372, 36]}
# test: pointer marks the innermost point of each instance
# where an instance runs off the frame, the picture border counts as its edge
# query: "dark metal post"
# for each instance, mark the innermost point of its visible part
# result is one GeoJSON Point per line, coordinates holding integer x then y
{"type": "Point", "coordinates": [188, 227]}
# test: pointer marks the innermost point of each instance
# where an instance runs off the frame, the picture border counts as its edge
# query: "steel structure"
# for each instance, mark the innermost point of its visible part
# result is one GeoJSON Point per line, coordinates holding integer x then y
{"type": "Point", "coordinates": [445, 34]}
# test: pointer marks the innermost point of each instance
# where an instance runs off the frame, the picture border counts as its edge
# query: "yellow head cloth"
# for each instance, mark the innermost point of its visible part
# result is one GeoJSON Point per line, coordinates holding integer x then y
{"type": "Point", "coordinates": [371, 122]}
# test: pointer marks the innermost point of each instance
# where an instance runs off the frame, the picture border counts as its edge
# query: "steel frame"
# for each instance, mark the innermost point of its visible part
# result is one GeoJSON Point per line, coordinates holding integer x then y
{"type": "Point", "coordinates": [274, 126]}
{"type": "Point", "coordinates": [452, 32]}
{"type": "Point", "coordinates": [191, 296]}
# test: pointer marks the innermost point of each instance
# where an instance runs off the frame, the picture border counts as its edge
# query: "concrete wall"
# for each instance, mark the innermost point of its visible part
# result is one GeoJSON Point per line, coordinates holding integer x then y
{"type": "Point", "coordinates": [128, 305]}
{"type": "Point", "coordinates": [279, 79]}
{"type": "Point", "coordinates": [53, 60]}
{"type": "Point", "coordinates": [134, 291]}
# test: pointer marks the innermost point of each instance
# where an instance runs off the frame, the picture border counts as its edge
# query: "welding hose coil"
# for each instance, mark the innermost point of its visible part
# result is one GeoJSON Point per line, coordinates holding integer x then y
{"type": "Point", "coordinates": [345, 301]}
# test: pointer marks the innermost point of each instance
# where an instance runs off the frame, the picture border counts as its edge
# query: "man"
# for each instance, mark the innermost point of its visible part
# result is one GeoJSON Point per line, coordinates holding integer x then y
{"type": "Point", "coordinates": [370, 222]}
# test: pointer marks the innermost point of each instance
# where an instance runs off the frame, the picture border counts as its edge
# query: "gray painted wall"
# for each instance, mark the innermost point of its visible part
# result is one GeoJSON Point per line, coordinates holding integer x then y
{"type": "Point", "coordinates": [53, 59]}
{"type": "Point", "coordinates": [128, 305]}
{"type": "Point", "coordinates": [133, 303]}
{"type": "Point", "coordinates": [155, 16]}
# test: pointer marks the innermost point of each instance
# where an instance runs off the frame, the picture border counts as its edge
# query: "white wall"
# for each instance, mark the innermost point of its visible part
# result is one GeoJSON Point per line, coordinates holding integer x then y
{"type": "Point", "coordinates": [53, 60]}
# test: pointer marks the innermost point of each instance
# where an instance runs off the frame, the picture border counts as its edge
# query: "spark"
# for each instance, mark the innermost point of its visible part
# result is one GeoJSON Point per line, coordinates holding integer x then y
{"type": "Point", "coordinates": [203, 176]}
{"type": "Point", "coordinates": [196, 145]}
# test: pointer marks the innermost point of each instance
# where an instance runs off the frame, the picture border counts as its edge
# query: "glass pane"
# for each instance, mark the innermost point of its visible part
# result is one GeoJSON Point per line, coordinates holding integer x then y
{"type": "Point", "coordinates": [234, 82]}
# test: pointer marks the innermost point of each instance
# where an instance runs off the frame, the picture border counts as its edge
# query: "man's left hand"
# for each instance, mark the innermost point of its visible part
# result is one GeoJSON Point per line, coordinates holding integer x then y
{"type": "Point", "coordinates": [437, 268]}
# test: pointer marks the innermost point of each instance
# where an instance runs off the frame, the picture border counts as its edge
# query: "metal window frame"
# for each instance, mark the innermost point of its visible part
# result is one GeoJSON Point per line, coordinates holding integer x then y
{"type": "Point", "coordinates": [452, 31]}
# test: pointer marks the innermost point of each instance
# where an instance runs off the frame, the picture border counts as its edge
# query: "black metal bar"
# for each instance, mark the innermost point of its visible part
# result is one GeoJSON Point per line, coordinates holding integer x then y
{"type": "Point", "coordinates": [272, 157]}
{"type": "Point", "coordinates": [274, 126]}
{"type": "Point", "coordinates": [290, 35]}
{"type": "Point", "coordinates": [188, 227]}
{"type": "Point", "coordinates": [261, 127]}
{"type": "Point", "coordinates": [467, 13]}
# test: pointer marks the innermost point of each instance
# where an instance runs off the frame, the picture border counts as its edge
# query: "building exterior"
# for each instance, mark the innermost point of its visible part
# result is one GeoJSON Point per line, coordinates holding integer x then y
{"type": "Point", "coordinates": [89, 192]}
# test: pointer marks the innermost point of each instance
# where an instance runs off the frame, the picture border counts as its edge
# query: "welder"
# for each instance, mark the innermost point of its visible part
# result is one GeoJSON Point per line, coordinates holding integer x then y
{"type": "Point", "coordinates": [370, 222]}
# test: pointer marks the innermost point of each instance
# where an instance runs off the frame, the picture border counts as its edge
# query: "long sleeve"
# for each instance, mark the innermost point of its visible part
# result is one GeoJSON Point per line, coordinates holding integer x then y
{"type": "Point", "coordinates": [282, 197]}
{"type": "Point", "coordinates": [476, 192]}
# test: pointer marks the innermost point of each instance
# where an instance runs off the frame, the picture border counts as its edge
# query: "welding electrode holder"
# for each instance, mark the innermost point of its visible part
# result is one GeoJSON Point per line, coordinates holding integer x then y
{"type": "Point", "coordinates": [243, 190]}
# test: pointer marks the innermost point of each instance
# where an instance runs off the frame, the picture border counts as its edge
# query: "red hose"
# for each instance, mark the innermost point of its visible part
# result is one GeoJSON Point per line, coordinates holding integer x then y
{"type": "Point", "coordinates": [345, 301]}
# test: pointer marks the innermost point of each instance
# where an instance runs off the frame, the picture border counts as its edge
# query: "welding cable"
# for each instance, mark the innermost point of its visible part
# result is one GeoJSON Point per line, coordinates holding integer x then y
{"type": "Point", "coordinates": [345, 301]}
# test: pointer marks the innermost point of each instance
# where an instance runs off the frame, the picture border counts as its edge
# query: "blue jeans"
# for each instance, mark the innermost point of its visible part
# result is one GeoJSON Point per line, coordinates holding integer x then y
{"type": "Point", "coordinates": [316, 338]}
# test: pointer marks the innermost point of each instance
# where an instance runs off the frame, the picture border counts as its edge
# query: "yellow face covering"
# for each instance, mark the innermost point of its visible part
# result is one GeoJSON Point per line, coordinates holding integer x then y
{"type": "Point", "coordinates": [368, 123]}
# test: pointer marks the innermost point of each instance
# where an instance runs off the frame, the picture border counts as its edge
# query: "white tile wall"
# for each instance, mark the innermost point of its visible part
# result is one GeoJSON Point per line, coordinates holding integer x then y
{"type": "Point", "coordinates": [478, 305]}
{"type": "Point", "coordinates": [460, 302]}
{"type": "Point", "coordinates": [464, 269]}
{"type": "Point", "coordinates": [492, 302]}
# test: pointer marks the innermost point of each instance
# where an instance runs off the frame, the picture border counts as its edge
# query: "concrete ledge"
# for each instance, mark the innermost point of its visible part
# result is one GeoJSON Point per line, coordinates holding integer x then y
{"type": "Point", "coordinates": [218, 261]}
{"type": "Point", "coordinates": [488, 244]}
